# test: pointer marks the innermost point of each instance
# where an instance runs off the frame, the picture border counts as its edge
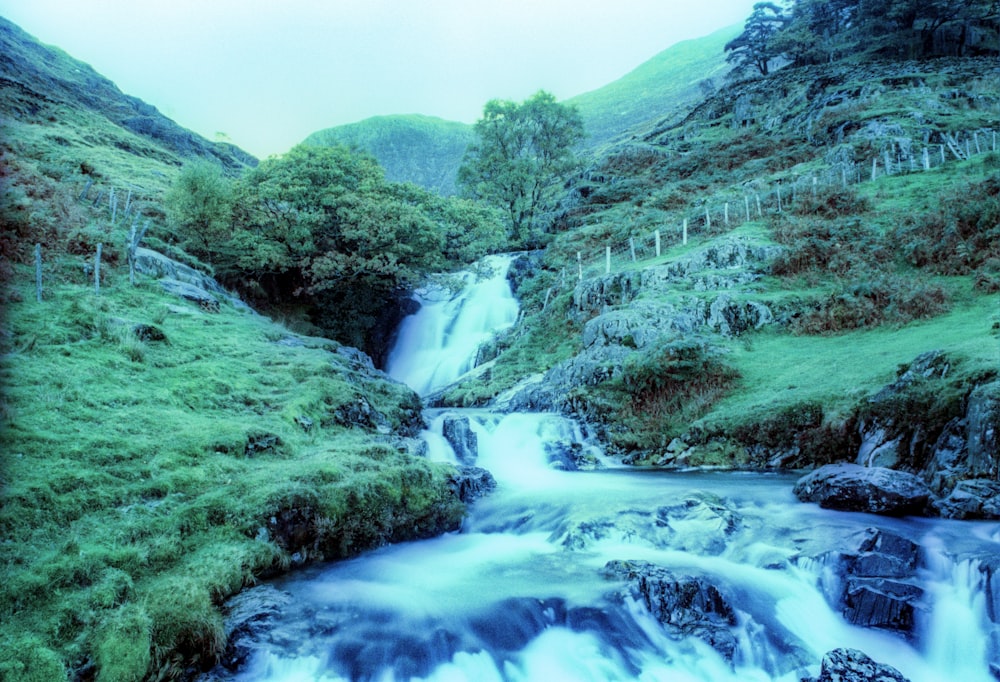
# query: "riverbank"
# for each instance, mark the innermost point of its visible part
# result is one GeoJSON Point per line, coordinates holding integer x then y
{"type": "Point", "coordinates": [158, 456]}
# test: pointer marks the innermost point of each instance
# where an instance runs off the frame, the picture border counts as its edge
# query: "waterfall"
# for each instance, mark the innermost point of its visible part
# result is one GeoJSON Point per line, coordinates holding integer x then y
{"type": "Point", "coordinates": [527, 590]}
{"type": "Point", "coordinates": [439, 343]}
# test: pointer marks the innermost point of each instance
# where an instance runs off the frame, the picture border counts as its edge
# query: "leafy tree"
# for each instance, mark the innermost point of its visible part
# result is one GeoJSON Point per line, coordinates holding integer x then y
{"type": "Point", "coordinates": [753, 48]}
{"type": "Point", "coordinates": [199, 207]}
{"type": "Point", "coordinates": [520, 153]}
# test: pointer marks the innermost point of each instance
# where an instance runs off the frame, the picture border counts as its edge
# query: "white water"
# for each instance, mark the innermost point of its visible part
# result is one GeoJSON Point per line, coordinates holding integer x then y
{"type": "Point", "coordinates": [438, 344]}
{"type": "Point", "coordinates": [519, 593]}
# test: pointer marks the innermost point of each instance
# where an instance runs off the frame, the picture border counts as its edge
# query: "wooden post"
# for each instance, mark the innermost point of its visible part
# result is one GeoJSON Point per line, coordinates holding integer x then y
{"type": "Point", "coordinates": [843, 176]}
{"type": "Point", "coordinates": [994, 140]}
{"type": "Point", "coordinates": [778, 192]}
{"type": "Point", "coordinates": [97, 270]}
{"type": "Point", "coordinates": [815, 186]}
{"type": "Point", "coordinates": [927, 159]}
{"type": "Point", "coordinates": [968, 151]}
{"type": "Point", "coordinates": [874, 167]}
{"type": "Point", "coordinates": [943, 159]}
{"type": "Point", "coordinates": [684, 238]}
{"type": "Point", "coordinates": [975, 136]}
{"type": "Point", "coordinates": [38, 273]}
{"type": "Point", "coordinates": [708, 218]}
{"type": "Point", "coordinates": [131, 254]}
{"type": "Point", "coordinates": [657, 236]}
{"type": "Point", "coordinates": [888, 163]}
{"type": "Point", "coordinates": [114, 205]}
{"type": "Point", "coordinates": [725, 215]}
{"type": "Point", "coordinates": [579, 263]}
{"type": "Point", "coordinates": [128, 203]}
{"type": "Point", "coordinates": [607, 260]}
{"type": "Point", "coordinates": [760, 212]}
{"type": "Point", "coordinates": [746, 205]}
{"type": "Point", "coordinates": [631, 247]}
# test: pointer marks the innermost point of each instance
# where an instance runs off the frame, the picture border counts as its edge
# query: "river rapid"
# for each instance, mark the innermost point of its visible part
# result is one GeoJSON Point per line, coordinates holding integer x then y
{"type": "Point", "coordinates": [540, 583]}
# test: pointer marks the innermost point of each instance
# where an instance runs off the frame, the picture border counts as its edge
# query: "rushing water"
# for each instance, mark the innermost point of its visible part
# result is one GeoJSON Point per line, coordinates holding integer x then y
{"type": "Point", "coordinates": [521, 592]}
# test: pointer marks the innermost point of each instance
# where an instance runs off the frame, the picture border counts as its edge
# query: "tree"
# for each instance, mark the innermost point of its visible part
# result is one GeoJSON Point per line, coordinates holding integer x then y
{"type": "Point", "coordinates": [520, 154]}
{"type": "Point", "coordinates": [753, 48]}
{"type": "Point", "coordinates": [199, 207]}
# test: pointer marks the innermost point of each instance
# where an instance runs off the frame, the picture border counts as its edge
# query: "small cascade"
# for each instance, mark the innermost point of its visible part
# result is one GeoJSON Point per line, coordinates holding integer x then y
{"type": "Point", "coordinates": [440, 342]}
{"type": "Point", "coordinates": [575, 569]}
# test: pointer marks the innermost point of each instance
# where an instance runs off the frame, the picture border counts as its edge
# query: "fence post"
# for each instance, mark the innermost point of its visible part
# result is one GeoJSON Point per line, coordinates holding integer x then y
{"type": "Point", "coordinates": [97, 270]}
{"type": "Point", "coordinates": [114, 205]}
{"type": "Point", "coordinates": [631, 247]}
{"type": "Point", "coordinates": [708, 218]}
{"type": "Point", "coordinates": [815, 186]}
{"type": "Point", "coordinates": [888, 163]}
{"type": "Point", "coordinates": [657, 234]}
{"type": "Point", "coordinates": [843, 176]}
{"type": "Point", "coordinates": [994, 140]}
{"type": "Point", "coordinates": [778, 192]}
{"type": "Point", "coordinates": [607, 260]}
{"type": "Point", "coordinates": [968, 151]}
{"type": "Point", "coordinates": [579, 263]}
{"type": "Point", "coordinates": [38, 273]}
{"type": "Point", "coordinates": [760, 213]}
{"type": "Point", "coordinates": [726, 214]}
{"type": "Point", "coordinates": [685, 233]}
{"type": "Point", "coordinates": [874, 168]}
{"type": "Point", "coordinates": [746, 205]}
{"type": "Point", "coordinates": [975, 136]}
{"type": "Point", "coordinates": [943, 158]}
{"type": "Point", "coordinates": [927, 160]}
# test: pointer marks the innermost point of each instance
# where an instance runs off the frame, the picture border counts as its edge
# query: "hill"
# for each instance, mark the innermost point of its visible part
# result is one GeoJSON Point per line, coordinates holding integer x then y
{"type": "Point", "coordinates": [671, 81]}
{"type": "Point", "coordinates": [423, 150]}
{"type": "Point", "coordinates": [428, 151]}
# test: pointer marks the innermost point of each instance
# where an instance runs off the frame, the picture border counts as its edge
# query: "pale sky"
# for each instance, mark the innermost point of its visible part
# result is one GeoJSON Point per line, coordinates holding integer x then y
{"type": "Point", "coordinates": [267, 73]}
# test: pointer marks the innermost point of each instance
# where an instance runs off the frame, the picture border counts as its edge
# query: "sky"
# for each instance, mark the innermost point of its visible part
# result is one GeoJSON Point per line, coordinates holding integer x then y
{"type": "Point", "coordinates": [265, 74]}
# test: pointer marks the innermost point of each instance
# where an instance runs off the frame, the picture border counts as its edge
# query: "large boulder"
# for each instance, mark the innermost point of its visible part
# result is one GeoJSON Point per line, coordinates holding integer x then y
{"type": "Point", "coordinates": [470, 483]}
{"type": "Point", "coordinates": [685, 605]}
{"type": "Point", "coordinates": [850, 487]}
{"type": "Point", "coordinates": [461, 437]}
{"type": "Point", "coordinates": [983, 419]}
{"type": "Point", "coordinates": [851, 665]}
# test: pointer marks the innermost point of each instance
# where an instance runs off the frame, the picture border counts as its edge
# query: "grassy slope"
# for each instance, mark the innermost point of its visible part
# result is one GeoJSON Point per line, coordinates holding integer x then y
{"type": "Point", "coordinates": [669, 82]}
{"type": "Point", "coordinates": [667, 171]}
{"type": "Point", "coordinates": [142, 481]}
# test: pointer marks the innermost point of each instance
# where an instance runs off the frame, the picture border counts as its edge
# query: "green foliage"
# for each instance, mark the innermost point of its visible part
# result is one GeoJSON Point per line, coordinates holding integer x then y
{"type": "Point", "coordinates": [199, 207]}
{"type": "Point", "coordinates": [752, 48]}
{"type": "Point", "coordinates": [521, 152]}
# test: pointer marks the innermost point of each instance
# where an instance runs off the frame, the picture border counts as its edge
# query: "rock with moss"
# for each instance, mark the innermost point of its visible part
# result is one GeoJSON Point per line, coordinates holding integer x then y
{"type": "Point", "coordinates": [877, 490]}
{"type": "Point", "coordinates": [851, 665]}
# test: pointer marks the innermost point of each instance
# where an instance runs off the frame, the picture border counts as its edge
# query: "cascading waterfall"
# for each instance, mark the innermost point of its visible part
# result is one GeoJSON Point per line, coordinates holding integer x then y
{"type": "Point", "coordinates": [524, 591]}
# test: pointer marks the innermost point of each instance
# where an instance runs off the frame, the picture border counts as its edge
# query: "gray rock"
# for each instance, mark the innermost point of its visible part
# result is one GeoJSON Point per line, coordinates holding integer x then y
{"type": "Point", "coordinates": [851, 665]}
{"type": "Point", "coordinates": [971, 499]}
{"type": "Point", "coordinates": [189, 292]}
{"type": "Point", "coordinates": [849, 487]}
{"type": "Point", "coordinates": [882, 603]}
{"type": "Point", "coordinates": [983, 417]}
{"type": "Point", "coordinates": [685, 605]}
{"type": "Point", "coordinates": [183, 280]}
{"type": "Point", "coordinates": [461, 437]}
{"type": "Point", "coordinates": [470, 483]}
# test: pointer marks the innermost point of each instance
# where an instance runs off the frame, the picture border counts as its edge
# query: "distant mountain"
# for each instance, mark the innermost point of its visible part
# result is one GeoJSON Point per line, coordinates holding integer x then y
{"type": "Point", "coordinates": [61, 113]}
{"type": "Point", "coordinates": [675, 79]}
{"type": "Point", "coordinates": [413, 148]}
{"type": "Point", "coordinates": [428, 151]}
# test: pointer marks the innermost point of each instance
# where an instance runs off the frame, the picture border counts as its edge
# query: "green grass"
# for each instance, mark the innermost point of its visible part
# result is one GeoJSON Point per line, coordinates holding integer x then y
{"type": "Point", "coordinates": [140, 478]}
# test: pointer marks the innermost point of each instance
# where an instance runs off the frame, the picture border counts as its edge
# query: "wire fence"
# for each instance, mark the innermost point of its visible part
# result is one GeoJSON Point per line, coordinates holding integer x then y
{"type": "Point", "coordinates": [731, 208]}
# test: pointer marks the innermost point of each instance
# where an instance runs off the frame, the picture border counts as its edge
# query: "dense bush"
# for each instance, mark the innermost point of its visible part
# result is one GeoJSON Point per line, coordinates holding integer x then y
{"type": "Point", "coordinates": [960, 237]}
{"type": "Point", "coordinates": [826, 246]}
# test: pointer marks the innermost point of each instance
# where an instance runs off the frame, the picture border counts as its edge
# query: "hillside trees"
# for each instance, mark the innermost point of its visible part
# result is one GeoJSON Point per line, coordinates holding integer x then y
{"type": "Point", "coordinates": [521, 152]}
{"type": "Point", "coordinates": [320, 228]}
{"type": "Point", "coordinates": [753, 47]}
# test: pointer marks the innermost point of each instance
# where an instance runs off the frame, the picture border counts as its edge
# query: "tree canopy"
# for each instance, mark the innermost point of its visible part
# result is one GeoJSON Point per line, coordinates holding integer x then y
{"type": "Point", "coordinates": [806, 32]}
{"type": "Point", "coordinates": [520, 153]}
{"type": "Point", "coordinates": [322, 227]}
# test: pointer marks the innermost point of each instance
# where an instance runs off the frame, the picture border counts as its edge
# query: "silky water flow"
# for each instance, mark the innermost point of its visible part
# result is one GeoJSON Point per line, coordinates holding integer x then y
{"type": "Point", "coordinates": [523, 591]}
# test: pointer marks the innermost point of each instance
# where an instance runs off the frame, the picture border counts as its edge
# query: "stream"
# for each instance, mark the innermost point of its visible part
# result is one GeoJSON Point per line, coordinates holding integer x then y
{"type": "Point", "coordinates": [565, 572]}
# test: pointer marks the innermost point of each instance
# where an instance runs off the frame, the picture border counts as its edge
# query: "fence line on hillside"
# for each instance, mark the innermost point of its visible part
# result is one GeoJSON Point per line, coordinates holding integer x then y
{"type": "Point", "coordinates": [735, 207]}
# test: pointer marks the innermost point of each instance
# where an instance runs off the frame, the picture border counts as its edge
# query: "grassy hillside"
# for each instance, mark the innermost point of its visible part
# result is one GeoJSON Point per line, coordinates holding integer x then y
{"type": "Point", "coordinates": [667, 84]}
{"type": "Point", "coordinates": [869, 273]}
{"type": "Point", "coordinates": [155, 455]}
{"type": "Point", "coordinates": [423, 150]}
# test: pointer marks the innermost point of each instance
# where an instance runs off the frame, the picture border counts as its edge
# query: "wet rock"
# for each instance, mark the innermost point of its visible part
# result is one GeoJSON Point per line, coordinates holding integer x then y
{"type": "Point", "coordinates": [260, 443]}
{"type": "Point", "coordinates": [470, 483]}
{"type": "Point", "coordinates": [249, 617]}
{"type": "Point", "coordinates": [524, 267]}
{"type": "Point", "coordinates": [983, 417]}
{"type": "Point", "coordinates": [461, 437]}
{"type": "Point", "coordinates": [685, 605]}
{"type": "Point", "coordinates": [971, 499]}
{"type": "Point", "coordinates": [877, 490]}
{"type": "Point", "coordinates": [851, 665]}
{"type": "Point", "coordinates": [882, 603]}
{"type": "Point", "coordinates": [949, 462]}
{"type": "Point", "coordinates": [703, 523]}
{"type": "Point", "coordinates": [886, 555]}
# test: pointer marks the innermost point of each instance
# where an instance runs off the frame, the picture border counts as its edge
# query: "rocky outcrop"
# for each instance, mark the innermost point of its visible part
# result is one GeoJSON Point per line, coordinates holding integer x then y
{"type": "Point", "coordinates": [685, 605]}
{"type": "Point", "coordinates": [850, 487]}
{"type": "Point", "coordinates": [971, 499]}
{"type": "Point", "coordinates": [470, 483]}
{"type": "Point", "coordinates": [851, 665]}
{"type": "Point", "coordinates": [184, 281]}
{"type": "Point", "coordinates": [461, 437]}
